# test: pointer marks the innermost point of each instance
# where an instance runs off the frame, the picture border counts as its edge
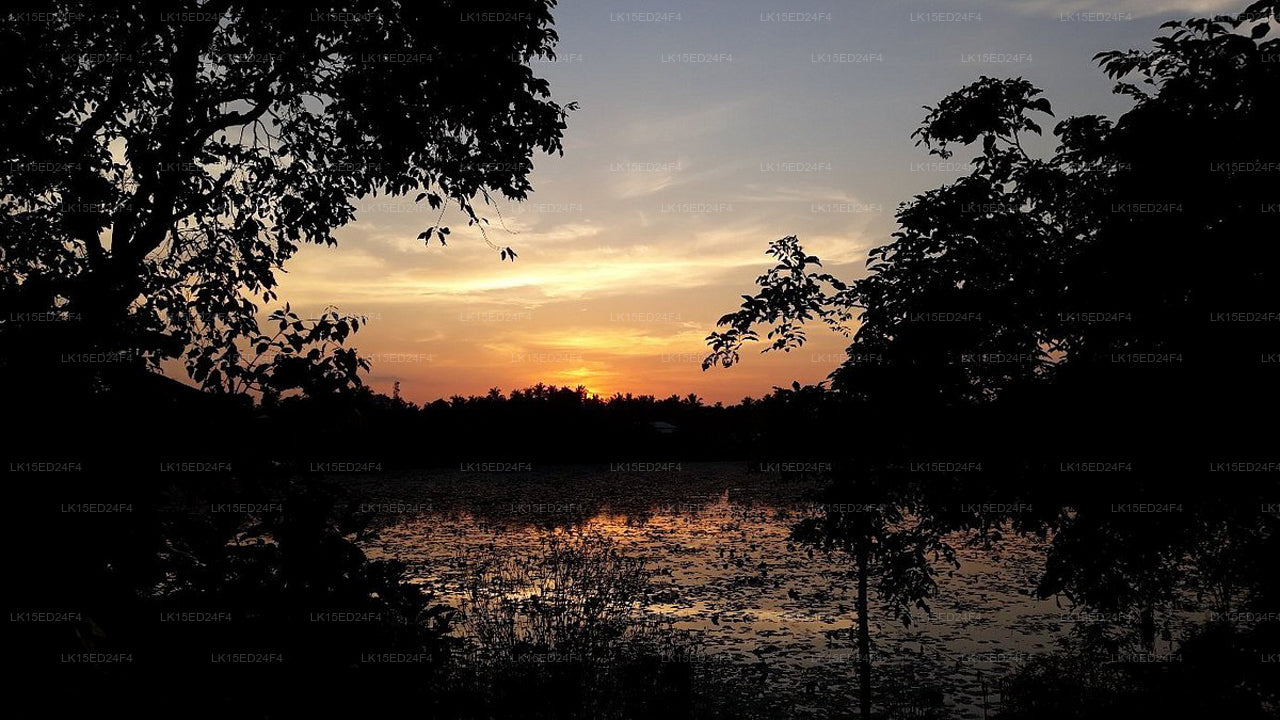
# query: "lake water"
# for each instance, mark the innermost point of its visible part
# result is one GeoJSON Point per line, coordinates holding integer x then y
{"type": "Point", "coordinates": [717, 537]}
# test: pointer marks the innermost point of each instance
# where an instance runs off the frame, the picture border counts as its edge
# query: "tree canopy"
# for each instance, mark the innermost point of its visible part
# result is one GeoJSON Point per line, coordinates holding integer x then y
{"type": "Point", "coordinates": [163, 161]}
{"type": "Point", "coordinates": [1095, 327]}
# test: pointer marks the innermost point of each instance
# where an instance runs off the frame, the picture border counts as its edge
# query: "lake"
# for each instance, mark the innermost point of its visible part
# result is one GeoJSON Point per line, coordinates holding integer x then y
{"type": "Point", "coordinates": [716, 537]}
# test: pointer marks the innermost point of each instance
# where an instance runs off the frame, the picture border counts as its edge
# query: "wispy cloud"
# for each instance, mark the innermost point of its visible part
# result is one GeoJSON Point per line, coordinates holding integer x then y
{"type": "Point", "coordinates": [664, 130]}
{"type": "Point", "coordinates": [1135, 8]}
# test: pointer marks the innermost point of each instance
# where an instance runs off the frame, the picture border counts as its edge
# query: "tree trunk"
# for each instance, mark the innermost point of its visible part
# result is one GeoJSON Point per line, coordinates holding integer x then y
{"type": "Point", "coordinates": [864, 638]}
{"type": "Point", "coordinates": [1147, 629]}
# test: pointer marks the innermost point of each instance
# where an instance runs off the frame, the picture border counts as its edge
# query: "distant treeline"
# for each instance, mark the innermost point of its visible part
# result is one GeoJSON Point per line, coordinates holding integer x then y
{"type": "Point", "coordinates": [542, 424]}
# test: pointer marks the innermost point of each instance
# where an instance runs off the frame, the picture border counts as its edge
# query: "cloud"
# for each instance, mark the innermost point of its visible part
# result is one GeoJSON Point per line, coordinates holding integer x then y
{"type": "Point", "coordinates": [663, 130]}
{"type": "Point", "coordinates": [611, 340]}
{"type": "Point", "coordinates": [762, 193]}
{"type": "Point", "coordinates": [609, 265]}
{"type": "Point", "coordinates": [1136, 8]}
{"type": "Point", "coordinates": [527, 232]}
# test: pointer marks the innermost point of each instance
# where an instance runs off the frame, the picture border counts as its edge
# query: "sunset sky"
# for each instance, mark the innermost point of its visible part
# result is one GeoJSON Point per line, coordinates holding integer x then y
{"type": "Point", "coordinates": [706, 130]}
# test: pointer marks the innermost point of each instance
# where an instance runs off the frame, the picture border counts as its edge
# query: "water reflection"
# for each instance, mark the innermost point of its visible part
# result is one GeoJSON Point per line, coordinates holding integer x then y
{"type": "Point", "coordinates": [717, 541]}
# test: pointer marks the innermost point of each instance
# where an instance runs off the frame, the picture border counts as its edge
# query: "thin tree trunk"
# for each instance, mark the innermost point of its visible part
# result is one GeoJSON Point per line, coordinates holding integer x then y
{"type": "Point", "coordinates": [1147, 629]}
{"type": "Point", "coordinates": [864, 638]}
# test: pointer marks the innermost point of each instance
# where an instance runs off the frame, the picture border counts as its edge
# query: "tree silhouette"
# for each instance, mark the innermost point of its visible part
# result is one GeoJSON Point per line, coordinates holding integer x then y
{"type": "Point", "coordinates": [1040, 310]}
{"type": "Point", "coordinates": [164, 161]}
{"type": "Point", "coordinates": [161, 164]}
{"type": "Point", "coordinates": [875, 520]}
